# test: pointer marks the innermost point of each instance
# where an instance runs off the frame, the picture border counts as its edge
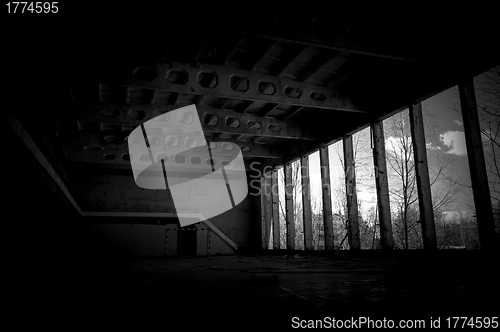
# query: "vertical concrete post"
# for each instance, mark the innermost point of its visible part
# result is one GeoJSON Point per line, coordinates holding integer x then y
{"type": "Point", "coordinates": [382, 186]}
{"type": "Point", "coordinates": [290, 216]}
{"type": "Point", "coordinates": [477, 165]}
{"type": "Point", "coordinates": [422, 174]}
{"type": "Point", "coordinates": [266, 209]}
{"type": "Point", "coordinates": [276, 208]}
{"type": "Point", "coordinates": [351, 195]}
{"type": "Point", "coordinates": [327, 198]}
{"type": "Point", "coordinates": [306, 204]}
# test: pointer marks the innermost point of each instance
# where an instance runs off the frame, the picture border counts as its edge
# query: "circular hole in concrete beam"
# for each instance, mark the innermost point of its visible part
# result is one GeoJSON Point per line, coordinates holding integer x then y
{"type": "Point", "coordinates": [153, 140]}
{"type": "Point", "coordinates": [136, 114]}
{"type": "Point", "coordinates": [274, 128]}
{"type": "Point", "coordinates": [185, 117]}
{"type": "Point", "coordinates": [172, 141]}
{"type": "Point", "coordinates": [110, 113]}
{"type": "Point", "coordinates": [191, 142]}
{"type": "Point", "coordinates": [180, 159]}
{"type": "Point", "coordinates": [160, 156]}
{"type": "Point", "coordinates": [253, 125]}
{"type": "Point", "coordinates": [228, 146]}
{"type": "Point", "coordinates": [195, 160]}
{"type": "Point", "coordinates": [110, 139]}
{"type": "Point", "coordinates": [232, 122]}
{"type": "Point", "coordinates": [210, 119]}
{"type": "Point", "coordinates": [212, 145]}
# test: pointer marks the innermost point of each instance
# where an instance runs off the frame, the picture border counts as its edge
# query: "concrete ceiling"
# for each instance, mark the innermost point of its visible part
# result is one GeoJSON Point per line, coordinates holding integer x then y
{"type": "Point", "coordinates": [278, 82]}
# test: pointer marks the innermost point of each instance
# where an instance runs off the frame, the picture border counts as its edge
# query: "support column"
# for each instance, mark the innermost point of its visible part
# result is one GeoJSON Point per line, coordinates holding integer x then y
{"type": "Point", "coordinates": [422, 174]}
{"type": "Point", "coordinates": [290, 217]}
{"type": "Point", "coordinates": [276, 208]}
{"type": "Point", "coordinates": [382, 186]}
{"type": "Point", "coordinates": [350, 190]}
{"type": "Point", "coordinates": [267, 208]}
{"type": "Point", "coordinates": [306, 204]}
{"type": "Point", "coordinates": [327, 198]}
{"type": "Point", "coordinates": [477, 165]}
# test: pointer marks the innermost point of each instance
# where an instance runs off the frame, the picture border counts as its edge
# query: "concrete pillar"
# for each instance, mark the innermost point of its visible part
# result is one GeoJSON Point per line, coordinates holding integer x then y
{"type": "Point", "coordinates": [327, 198]}
{"type": "Point", "coordinates": [306, 204]}
{"type": "Point", "coordinates": [352, 198]}
{"type": "Point", "coordinates": [477, 165]}
{"type": "Point", "coordinates": [422, 174]}
{"type": "Point", "coordinates": [266, 209]}
{"type": "Point", "coordinates": [382, 186]}
{"type": "Point", "coordinates": [290, 216]}
{"type": "Point", "coordinates": [276, 208]}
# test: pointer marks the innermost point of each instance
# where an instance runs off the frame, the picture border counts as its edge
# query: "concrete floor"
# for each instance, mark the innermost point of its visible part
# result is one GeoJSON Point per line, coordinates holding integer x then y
{"type": "Point", "coordinates": [233, 292]}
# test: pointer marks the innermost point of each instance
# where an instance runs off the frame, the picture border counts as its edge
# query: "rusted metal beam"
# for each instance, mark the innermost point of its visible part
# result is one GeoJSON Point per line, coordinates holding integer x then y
{"type": "Point", "coordinates": [327, 197]}
{"type": "Point", "coordinates": [290, 215]}
{"type": "Point", "coordinates": [382, 186]}
{"type": "Point", "coordinates": [216, 81]}
{"type": "Point", "coordinates": [477, 165]}
{"type": "Point", "coordinates": [306, 204]}
{"type": "Point", "coordinates": [422, 175]}
{"type": "Point", "coordinates": [351, 195]}
{"type": "Point", "coordinates": [212, 120]}
{"type": "Point", "coordinates": [276, 208]}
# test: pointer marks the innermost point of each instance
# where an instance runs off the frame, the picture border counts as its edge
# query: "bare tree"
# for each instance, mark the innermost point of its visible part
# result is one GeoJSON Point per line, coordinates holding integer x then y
{"type": "Point", "coordinates": [363, 163]}
{"type": "Point", "coordinates": [401, 168]}
{"type": "Point", "coordinates": [487, 88]}
{"type": "Point", "coordinates": [488, 103]}
{"type": "Point", "coordinates": [297, 206]}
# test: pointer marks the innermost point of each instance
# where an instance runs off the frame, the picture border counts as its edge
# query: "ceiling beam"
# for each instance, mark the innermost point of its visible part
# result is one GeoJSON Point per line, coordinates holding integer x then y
{"type": "Point", "coordinates": [287, 65]}
{"type": "Point", "coordinates": [212, 120]}
{"type": "Point", "coordinates": [293, 113]}
{"type": "Point", "coordinates": [233, 49]}
{"type": "Point", "coordinates": [263, 55]}
{"type": "Point", "coordinates": [201, 50]}
{"type": "Point", "coordinates": [317, 69]}
{"type": "Point", "coordinates": [285, 90]}
{"type": "Point", "coordinates": [120, 156]}
{"type": "Point", "coordinates": [97, 147]}
{"type": "Point", "coordinates": [339, 43]}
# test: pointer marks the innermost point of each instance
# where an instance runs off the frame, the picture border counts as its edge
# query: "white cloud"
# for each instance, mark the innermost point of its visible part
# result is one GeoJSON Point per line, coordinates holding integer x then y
{"type": "Point", "coordinates": [455, 141]}
{"type": "Point", "coordinates": [431, 146]}
{"type": "Point", "coordinates": [458, 122]}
